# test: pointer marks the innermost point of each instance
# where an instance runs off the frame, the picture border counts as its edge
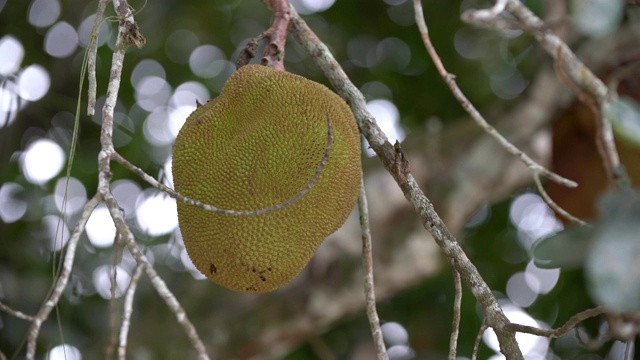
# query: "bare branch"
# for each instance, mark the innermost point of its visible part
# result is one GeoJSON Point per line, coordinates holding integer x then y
{"type": "Point", "coordinates": [564, 329]}
{"type": "Point", "coordinates": [126, 35]}
{"type": "Point", "coordinates": [367, 264]}
{"type": "Point", "coordinates": [63, 278]}
{"type": "Point", "coordinates": [492, 13]}
{"type": "Point", "coordinates": [93, 53]}
{"type": "Point", "coordinates": [457, 308]}
{"type": "Point", "coordinates": [552, 204]}
{"type": "Point", "coordinates": [476, 344]}
{"type": "Point", "coordinates": [576, 71]}
{"type": "Point", "coordinates": [422, 205]}
{"type": "Point", "coordinates": [449, 79]}
{"type": "Point", "coordinates": [128, 310]}
{"type": "Point", "coordinates": [16, 313]}
{"type": "Point", "coordinates": [176, 195]}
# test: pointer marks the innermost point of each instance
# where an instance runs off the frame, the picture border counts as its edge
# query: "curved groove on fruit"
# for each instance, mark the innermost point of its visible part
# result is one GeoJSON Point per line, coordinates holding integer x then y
{"type": "Point", "coordinates": [292, 200]}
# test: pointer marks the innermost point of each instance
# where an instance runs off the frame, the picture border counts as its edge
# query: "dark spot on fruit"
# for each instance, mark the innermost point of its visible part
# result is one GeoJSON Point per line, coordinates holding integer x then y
{"type": "Point", "coordinates": [263, 278]}
{"type": "Point", "coordinates": [269, 269]}
{"type": "Point", "coordinates": [212, 268]}
{"type": "Point", "coordinates": [253, 269]}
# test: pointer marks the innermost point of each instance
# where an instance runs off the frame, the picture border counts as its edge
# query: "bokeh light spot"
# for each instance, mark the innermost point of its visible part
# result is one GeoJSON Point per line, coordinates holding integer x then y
{"type": "Point", "coordinates": [307, 7]}
{"type": "Point", "coordinates": [180, 44]}
{"type": "Point", "coordinates": [33, 83]}
{"type": "Point", "coordinates": [156, 213]}
{"type": "Point", "coordinates": [43, 13]}
{"type": "Point", "coordinates": [64, 352]}
{"type": "Point", "coordinates": [388, 118]}
{"type": "Point", "coordinates": [61, 40]}
{"type": "Point", "coordinates": [362, 51]}
{"type": "Point", "coordinates": [467, 43]}
{"type": "Point", "coordinates": [147, 68]}
{"type": "Point", "coordinates": [188, 93]}
{"type": "Point", "coordinates": [207, 61]}
{"type": "Point", "coordinates": [152, 92]}
{"type": "Point", "coordinates": [188, 264]}
{"type": "Point", "coordinates": [74, 193]}
{"type": "Point", "coordinates": [42, 160]}
{"type": "Point", "coordinates": [532, 347]}
{"type": "Point", "coordinates": [102, 276]}
{"type": "Point", "coordinates": [86, 28]}
{"type": "Point", "coordinates": [11, 55]}
{"type": "Point", "coordinates": [518, 290]}
{"type": "Point", "coordinates": [126, 193]}
{"type": "Point", "coordinates": [57, 232]}
{"type": "Point", "coordinates": [508, 83]}
{"type": "Point", "coordinates": [540, 280]}
{"type": "Point", "coordinates": [156, 128]}
{"type": "Point", "coordinates": [533, 219]}
{"type": "Point", "coordinates": [394, 334]}
{"type": "Point", "coordinates": [12, 208]}
{"type": "Point", "coordinates": [100, 228]}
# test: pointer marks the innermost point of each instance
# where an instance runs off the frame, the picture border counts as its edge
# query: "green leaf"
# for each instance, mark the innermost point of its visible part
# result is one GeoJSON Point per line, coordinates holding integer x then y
{"type": "Point", "coordinates": [597, 17]}
{"type": "Point", "coordinates": [567, 249]}
{"type": "Point", "coordinates": [613, 265]}
{"type": "Point", "coordinates": [624, 114]}
{"type": "Point", "coordinates": [619, 203]}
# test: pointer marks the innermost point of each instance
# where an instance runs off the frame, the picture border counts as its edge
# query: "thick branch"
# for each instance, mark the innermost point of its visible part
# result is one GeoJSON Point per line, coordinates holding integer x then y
{"type": "Point", "coordinates": [423, 207]}
{"type": "Point", "coordinates": [276, 35]}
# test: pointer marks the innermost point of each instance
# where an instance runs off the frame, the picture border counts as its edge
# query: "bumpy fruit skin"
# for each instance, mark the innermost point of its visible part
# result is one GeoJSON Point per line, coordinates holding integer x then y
{"type": "Point", "coordinates": [255, 146]}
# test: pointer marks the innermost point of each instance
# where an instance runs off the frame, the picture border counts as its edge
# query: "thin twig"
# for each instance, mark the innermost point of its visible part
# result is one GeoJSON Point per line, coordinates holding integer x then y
{"type": "Point", "coordinates": [128, 310]}
{"type": "Point", "coordinates": [93, 53]}
{"type": "Point", "coordinates": [592, 103]}
{"type": "Point", "coordinates": [449, 79]}
{"type": "Point", "coordinates": [493, 12]}
{"type": "Point", "coordinates": [63, 279]}
{"type": "Point", "coordinates": [577, 72]}
{"type": "Point", "coordinates": [407, 183]}
{"type": "Point", "coordinates": [16, 313]}
{"type": "Point", "coordinates": [552, 204]}
{"type": "Point", "coordinates": [476, 344]}
{"type": "Point", "coordinates": [176, 195]}
{"type": "Point", "coordinates": [367, 264]}
{"type": "Point", "coordinates": [457, 307]}
{"type": "Point", "coordinates": [157, 282]}
{"type": "Point", "coordinates": [564, 329]}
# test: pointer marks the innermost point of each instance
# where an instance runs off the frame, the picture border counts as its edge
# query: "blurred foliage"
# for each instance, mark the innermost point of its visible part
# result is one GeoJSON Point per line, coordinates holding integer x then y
{"type": "Point", "coordinates": [415, 88]}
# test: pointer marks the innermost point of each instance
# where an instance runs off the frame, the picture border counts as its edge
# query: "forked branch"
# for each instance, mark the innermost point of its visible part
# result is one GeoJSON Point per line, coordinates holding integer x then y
{"type": "Point", "coordinates": [386, 152]}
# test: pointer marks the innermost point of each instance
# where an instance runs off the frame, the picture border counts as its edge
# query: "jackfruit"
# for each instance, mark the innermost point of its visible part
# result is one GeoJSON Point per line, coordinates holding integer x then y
{"type": "Point", "coordinates": [253, 147]}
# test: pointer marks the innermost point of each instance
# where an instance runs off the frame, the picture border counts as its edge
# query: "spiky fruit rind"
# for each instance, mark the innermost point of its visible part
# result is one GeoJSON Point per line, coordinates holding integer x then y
{"type": "Point", "coordinates": [253, 147]}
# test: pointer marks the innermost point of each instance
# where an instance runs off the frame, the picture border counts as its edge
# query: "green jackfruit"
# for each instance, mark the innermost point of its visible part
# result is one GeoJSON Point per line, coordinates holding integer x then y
{"type": "Point", "coordinates": [253, 147]}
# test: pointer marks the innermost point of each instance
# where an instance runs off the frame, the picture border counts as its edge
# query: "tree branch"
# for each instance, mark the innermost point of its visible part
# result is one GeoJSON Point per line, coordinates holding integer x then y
{"type": "Point", "coordinates": [128, 34]}
{"type": "Point", "coordinates": [367, 264]}
{"type": "Point", "coordinates": [575, 70]}
{"type": "Point", "coordinates": [128, 310]}
{"type": "Point", "coordinates": [449, 79]}
{"type": "Point", "coordinates": [422, 205]}
{"type": "Point", "coordinates": [63, 278]}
